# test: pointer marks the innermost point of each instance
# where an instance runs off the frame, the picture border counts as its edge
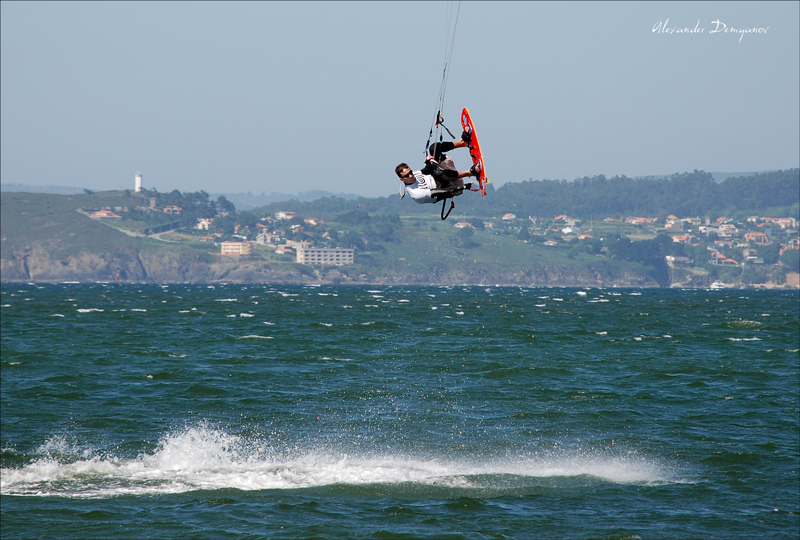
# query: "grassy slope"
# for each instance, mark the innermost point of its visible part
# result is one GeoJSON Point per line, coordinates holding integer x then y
{"type": "Point", "coordinates": [430, 248]}
{"type": "Point", "coordinates": [54, 221]}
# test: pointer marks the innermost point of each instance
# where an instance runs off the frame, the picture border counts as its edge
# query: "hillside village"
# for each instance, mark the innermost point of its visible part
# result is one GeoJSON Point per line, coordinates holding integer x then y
{"type": "Point", "coordinates": [756, 250]}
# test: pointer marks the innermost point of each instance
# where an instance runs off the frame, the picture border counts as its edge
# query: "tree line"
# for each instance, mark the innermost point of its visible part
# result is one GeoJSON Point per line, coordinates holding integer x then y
{"type": "Point", "coordinates": [194, 206]}
{"type": "Point", "coordinates": [684, 195]}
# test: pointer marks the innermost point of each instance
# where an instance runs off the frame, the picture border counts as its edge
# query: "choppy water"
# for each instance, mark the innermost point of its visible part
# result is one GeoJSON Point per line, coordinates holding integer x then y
{"type": "Point", "coordinates": [357, 412]}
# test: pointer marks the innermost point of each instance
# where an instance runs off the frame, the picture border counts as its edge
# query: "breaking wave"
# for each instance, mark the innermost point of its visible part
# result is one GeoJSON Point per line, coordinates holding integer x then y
{"type": "Point", "coordinates": [203, 458]}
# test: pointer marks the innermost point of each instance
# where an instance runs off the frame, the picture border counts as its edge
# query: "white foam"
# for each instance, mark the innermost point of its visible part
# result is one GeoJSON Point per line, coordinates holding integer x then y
{"type": "Point", "coordinates": [199, 458]}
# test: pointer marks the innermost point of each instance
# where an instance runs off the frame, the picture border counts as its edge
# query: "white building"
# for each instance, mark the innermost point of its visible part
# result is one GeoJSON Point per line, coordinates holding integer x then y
{"type": "Point", "coordinates": [329, 256]}
{"type": "Point", "coordinates": [235, 248]}
{"type": "Point", "coordinates": [203, 224]}
{"type": "Point", "coordinates": [264, 238]}
{"type": "Point", "coordinates": [138, 182]}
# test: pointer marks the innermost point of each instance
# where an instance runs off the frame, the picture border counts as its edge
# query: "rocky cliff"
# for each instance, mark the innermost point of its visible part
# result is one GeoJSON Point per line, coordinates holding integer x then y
{"type": "Point", "coordinates": [36, 263]}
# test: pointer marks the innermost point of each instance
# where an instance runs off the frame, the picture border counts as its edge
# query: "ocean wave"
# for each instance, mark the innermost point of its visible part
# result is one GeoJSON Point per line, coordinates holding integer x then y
{"type": "Point", "coordinates": [743, 324]}
{"type": "Point", "coordinates": [203, 458]}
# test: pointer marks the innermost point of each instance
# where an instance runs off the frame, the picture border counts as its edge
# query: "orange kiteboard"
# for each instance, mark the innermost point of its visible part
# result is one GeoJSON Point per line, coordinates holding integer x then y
{"type": "Point", "coordinates": [474, 149]}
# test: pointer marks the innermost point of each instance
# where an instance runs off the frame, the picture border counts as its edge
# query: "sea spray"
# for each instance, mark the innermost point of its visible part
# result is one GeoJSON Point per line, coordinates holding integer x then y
{"type": "Point", "coordinates": [202, 458]}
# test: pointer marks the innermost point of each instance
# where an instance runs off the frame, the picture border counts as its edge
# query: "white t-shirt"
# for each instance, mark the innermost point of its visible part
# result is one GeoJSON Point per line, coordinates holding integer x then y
{"type": "Point", "coordinates": [420, 190]}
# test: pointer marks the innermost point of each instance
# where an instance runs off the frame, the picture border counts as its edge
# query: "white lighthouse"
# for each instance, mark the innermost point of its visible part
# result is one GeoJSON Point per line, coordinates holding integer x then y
{"type": "Point", "coordinates": [138, 183]}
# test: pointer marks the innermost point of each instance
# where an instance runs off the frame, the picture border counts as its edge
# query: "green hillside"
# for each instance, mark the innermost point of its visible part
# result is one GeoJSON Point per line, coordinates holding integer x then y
{"type": "Point", "coordinates": [51, 237]}
{"type": "Point", "coordinates": [54, 221]}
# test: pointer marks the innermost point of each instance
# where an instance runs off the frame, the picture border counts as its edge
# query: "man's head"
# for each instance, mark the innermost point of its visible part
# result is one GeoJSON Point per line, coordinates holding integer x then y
{"type": "Point", "coordinates": [405, 174]}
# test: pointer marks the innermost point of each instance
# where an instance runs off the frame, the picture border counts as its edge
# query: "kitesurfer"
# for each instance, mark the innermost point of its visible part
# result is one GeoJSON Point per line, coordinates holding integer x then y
{"type": "Point", "coordinates": [438, 179]}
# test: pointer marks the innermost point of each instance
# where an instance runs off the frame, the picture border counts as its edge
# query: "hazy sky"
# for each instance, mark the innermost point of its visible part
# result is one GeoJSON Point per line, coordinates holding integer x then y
{"type": "Point", "coordinates": [290, 97]}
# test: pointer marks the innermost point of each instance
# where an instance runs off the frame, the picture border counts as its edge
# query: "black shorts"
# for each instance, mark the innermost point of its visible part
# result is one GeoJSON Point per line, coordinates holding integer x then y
{"type": "Point", "coordinates": [437, 149]}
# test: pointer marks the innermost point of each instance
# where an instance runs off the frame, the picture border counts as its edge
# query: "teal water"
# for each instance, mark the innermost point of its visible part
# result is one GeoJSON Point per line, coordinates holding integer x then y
{"type": "Point", "coordinates": [372, 412]}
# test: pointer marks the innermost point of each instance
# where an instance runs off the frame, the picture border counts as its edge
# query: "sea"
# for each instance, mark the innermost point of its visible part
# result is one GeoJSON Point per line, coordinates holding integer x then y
{"type": "Point", "coordinates": [467, 412]}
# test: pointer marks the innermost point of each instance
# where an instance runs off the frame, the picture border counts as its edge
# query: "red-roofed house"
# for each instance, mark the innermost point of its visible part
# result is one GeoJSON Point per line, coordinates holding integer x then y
{"type": "Point", "coordinates": [105, 215]}
{"type": "Point", "coordinates": [638, 220]}
{"type": "Point", "coordinates": [783, 223]}
{"type": "Point", "coordinates": [682, 238]}
{"type": "Point", "coordinates": [757, 238]}
{"type": "Point", "coordinates": [718, 259]}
